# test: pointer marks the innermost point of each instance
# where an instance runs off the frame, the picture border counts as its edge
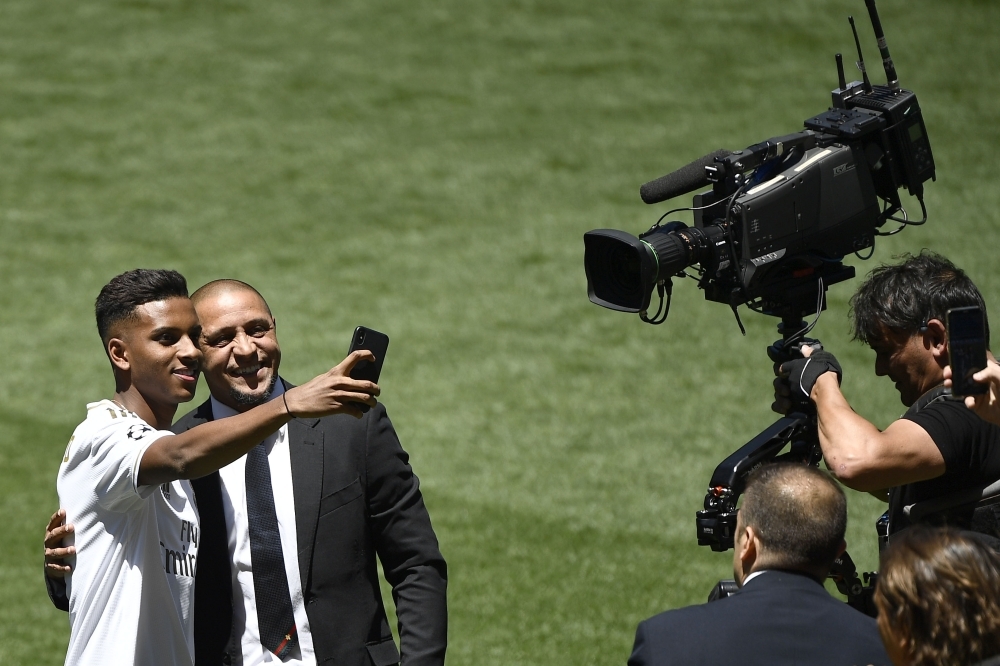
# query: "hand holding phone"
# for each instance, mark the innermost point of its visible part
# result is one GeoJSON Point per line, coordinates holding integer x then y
{"type": "Point", "coordinates": [966, 349]}
{"type": "Point", "coordinates": [378, 344]}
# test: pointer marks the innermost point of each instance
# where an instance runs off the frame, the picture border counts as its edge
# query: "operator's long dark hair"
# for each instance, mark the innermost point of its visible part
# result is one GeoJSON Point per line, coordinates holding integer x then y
{"type": "Point", "coordinates": [938, 593]}
{"type": "Point", "coordinates": [904, 297]}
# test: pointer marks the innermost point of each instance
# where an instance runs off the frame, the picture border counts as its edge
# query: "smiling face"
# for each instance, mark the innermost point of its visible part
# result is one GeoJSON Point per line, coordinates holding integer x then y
{"type": "Point", "coordinates": [909, 361]}
{"type": "Point", "coordinates": [158, 350]}
{"type": "Point", "coordinates": [240, 346]}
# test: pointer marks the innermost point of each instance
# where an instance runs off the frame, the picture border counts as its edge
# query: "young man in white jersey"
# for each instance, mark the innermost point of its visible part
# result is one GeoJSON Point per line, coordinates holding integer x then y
{"type": "Point", "coordinates": [124, 475]}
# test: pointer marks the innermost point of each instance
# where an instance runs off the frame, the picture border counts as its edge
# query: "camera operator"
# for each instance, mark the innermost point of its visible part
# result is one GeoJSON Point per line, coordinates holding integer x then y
{"type": "Point", "coordinates": [938, 446]}
{"type": "Point", "coordinates": [789, 531]}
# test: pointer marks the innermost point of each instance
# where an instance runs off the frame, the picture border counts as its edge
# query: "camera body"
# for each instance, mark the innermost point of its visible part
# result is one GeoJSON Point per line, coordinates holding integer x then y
{"type": "Point", "coordinates": [781, 214]}
{"type": "Point", "coordinates": [791, 228]}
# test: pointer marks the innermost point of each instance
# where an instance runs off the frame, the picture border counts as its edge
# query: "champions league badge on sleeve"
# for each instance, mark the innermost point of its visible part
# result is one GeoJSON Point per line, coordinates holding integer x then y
{"type": "Point", "coordinates": [138, 431]}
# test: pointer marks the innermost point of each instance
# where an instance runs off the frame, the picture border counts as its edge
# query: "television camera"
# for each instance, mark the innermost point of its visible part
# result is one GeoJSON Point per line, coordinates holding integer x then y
{"type": "Point", "coordinates": [772, 234]}
{"type": "Point", "coordinates": [781, 214]}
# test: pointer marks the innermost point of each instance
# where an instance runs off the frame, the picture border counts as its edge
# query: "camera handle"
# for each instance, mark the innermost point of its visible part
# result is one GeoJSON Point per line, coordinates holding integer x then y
{"type": "Point", "coordinates": [716, 523]}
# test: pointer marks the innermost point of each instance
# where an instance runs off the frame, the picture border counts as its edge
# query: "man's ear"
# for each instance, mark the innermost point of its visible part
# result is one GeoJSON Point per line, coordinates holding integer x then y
{"type": "Point", "coordinates": [936, 339]}
{"type": "Point", "coordinates": [842, 547]}
{"type": "Point", "coordinates": [748, 549]}
{"type": "Point", "coordinates": [118, 353]}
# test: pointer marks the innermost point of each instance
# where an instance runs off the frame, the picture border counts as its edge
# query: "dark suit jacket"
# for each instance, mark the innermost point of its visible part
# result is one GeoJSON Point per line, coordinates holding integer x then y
{"type": "Point", "coordinates": [777, 618]}
{"type": "Point", "coordinates": [355, 496]}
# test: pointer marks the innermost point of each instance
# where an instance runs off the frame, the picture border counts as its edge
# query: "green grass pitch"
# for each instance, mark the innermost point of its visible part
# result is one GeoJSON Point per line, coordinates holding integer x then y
{"type": "Point", "coordinates": [428, 169]}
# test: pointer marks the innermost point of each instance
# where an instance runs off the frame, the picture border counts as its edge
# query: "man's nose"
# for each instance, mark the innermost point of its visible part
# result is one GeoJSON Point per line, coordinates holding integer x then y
{"type": "Point", "coordinates": [243, 345]}
{"type": "Point", "coordinates": [190, 351]}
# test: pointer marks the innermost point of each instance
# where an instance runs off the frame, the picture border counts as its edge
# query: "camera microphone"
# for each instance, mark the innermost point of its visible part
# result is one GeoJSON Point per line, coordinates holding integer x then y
{"type": "Point", "coordinates": [682, 181]}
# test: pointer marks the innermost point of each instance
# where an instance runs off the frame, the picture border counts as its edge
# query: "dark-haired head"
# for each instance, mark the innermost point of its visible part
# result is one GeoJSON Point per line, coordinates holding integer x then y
{"type": "Point", "coordinates": [938, 597]}
{"type": "Point", "coordinates": [120, 297]}
{"type": "Point", "coordinates": [901, 298]}
{"type": "Point", "coordinates": [798, 514]}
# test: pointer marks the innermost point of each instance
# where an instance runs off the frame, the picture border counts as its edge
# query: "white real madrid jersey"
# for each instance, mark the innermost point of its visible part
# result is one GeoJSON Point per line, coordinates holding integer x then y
{"type": "Point", "coordinates": [131, 591]}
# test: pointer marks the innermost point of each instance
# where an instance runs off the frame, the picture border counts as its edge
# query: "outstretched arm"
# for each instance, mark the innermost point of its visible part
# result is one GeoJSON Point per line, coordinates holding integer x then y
{"type": "Point", "coordinates": [211, 446]}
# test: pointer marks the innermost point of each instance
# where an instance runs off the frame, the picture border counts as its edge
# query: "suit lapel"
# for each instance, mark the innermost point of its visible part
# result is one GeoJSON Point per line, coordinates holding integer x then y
{"type": "Point", "coordinates": [305, 449]}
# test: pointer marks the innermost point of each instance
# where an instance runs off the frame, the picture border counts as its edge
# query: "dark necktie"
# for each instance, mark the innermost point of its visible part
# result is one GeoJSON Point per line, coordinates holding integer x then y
{"type": "Point", "coordinates": [270, 584]}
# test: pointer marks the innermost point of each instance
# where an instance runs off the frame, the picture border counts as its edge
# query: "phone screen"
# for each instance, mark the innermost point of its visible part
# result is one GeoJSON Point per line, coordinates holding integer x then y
{"type": "Point", "coordinates": [966, 349]}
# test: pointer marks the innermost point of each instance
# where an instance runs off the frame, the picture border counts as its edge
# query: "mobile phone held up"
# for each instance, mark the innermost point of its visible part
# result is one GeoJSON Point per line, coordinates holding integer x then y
{"type": "Point", "coordinates": [378, 344]}
{"type": "Point", "coordinates": [966, 349]}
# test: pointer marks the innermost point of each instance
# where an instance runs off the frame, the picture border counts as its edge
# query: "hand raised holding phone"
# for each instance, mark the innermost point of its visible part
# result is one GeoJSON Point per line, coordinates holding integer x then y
{"type": "Point", "coordinates": [378, 344]}
{"type": "Point", "coordinates": [972, 373]}
{"type": "Point", "coordinates": [966, 350]}
{"type": "Point", "coordinates": [986, 405]}
{"type": "Point", "coordinates": [335, 391]}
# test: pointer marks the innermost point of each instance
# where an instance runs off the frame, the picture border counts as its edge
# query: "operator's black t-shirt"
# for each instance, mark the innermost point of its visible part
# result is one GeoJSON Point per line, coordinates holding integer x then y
{"type": "Point", "coordinates": [970, 447]}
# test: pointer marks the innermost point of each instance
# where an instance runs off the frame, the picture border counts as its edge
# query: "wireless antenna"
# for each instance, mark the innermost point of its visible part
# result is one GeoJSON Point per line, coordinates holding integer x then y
{"type": "Point", "coordinates": [840, 71]}
{"type": "Point", "coordinates": [883, 47]}
{"type": "Point", "coordinates": [861, 58]}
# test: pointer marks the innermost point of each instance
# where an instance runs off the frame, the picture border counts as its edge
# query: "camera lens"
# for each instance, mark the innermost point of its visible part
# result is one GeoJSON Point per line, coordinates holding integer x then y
{"type": "Point", "coordinates": [621, 270]}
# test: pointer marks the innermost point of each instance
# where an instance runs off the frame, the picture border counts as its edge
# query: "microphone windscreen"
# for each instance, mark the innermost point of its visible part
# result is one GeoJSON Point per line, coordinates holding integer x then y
{"type": "Point", "coordinates": [682, 181]}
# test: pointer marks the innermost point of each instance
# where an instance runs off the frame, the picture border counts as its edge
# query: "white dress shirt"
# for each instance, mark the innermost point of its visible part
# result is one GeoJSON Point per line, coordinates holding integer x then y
{"type": "Point", "coordinates": [234, 503]}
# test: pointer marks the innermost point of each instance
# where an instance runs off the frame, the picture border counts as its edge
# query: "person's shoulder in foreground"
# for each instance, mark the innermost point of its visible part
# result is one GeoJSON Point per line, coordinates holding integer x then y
{"type": "Point", "coordinates": [789, 531]}
{"type": "Point", "coordinates": [779, 617]}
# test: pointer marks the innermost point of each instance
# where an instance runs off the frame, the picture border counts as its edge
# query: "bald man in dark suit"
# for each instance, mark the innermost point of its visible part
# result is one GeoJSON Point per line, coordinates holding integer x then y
{"type": "Point", "coordinates": [788, 533]}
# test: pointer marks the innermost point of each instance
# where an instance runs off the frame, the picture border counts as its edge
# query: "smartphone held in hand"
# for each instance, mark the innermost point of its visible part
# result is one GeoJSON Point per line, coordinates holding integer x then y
{"type": "Point", "coordinates": [375, 342]}
{"type": "Point", "coordinates": [966, 349]}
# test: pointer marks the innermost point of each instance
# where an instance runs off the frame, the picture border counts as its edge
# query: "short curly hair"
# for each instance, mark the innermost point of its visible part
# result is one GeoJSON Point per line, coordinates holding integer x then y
{"type": "Point", "coordinates": [939, 591]}
{"type": "Point", "coordinates": [905, 296]}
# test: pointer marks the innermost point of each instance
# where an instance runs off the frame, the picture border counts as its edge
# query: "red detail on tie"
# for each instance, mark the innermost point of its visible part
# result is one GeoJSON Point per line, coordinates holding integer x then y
{"type": "Point", "coordinates": [281, 646]}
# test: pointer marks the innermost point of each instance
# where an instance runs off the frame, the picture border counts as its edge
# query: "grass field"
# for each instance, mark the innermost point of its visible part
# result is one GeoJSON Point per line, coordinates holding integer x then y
{"type": "Point", "coordinates": [428, 169]}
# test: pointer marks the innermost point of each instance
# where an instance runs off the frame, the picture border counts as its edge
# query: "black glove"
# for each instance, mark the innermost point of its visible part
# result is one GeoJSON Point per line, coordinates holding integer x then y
{"type": "Point", "coordinates": [803, 373]}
